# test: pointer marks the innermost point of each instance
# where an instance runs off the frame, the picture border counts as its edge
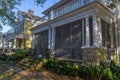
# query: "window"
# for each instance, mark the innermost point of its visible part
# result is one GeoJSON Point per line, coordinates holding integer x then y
{"type": "Point", "coordinates": [85, 1]}
{"type": "Point", "coordinates": [80, 3]}
{"type": "Point", "coordinates": [65, 8]}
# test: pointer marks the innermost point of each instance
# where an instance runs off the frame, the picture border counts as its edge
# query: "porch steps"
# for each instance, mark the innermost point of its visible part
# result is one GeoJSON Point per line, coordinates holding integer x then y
{"type": "Point", "coordinates": [26, 63]}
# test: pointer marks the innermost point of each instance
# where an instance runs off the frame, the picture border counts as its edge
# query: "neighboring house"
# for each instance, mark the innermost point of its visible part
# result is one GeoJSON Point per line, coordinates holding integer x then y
{"type": "Point", "coordinates": [78, 30]}
{"type": "Point", "coordinates": [20, 35]}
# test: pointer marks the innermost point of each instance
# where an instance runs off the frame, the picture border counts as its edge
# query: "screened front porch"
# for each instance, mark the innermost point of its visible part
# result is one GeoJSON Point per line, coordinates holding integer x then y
{"type": "Point", "coordinates": [68, 41]}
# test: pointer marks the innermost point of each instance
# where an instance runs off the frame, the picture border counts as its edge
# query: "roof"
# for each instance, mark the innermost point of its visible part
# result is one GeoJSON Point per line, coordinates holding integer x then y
{"type": "Point", "coordinates": [28, 15]}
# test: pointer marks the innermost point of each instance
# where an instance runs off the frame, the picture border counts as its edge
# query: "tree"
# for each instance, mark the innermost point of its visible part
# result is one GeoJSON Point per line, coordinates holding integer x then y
{"type": "Point", "coordinates": [7, 14]}
{"type": "Point", "coordinates": [112, 3]}
{"type": "Point", "coordinates": [7, 7]}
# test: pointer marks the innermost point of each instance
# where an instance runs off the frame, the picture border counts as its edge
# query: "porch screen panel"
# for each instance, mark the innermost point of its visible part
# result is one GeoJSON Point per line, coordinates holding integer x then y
{"type": "Point", "coordinates": [108, 43]}
{"type": "Point", "coordinates": [69, 41]}
{"type": "Point", "coordinates": [65, 45]}
{"type": "Point", "coordinates": [106, 34]}
{"type": "Point", "coordinates": [103, 32]}
{"type": "Point", "coordinates": [91, 30]}
{"type": "Point", "coordinates": [37, 43]}
{"type": "Point", "coordinates": [106, 37]}
{"type": "Point", "coordinates": [114, 36]}
{"type": "Point", "coordinates": [76, 40]}
{"type": "Point", "coordinates": [62, 43]}
{"type": "Point", "coordinates": [41, 42]}
{"type": "Point", "coordinates": [44, 39]}
{"type": "Point", "coordinates": [58, 42]}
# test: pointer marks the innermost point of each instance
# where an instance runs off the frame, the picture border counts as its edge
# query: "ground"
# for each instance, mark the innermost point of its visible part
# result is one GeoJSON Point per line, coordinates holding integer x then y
{"type": "Point", "coordinates": [18, 71]}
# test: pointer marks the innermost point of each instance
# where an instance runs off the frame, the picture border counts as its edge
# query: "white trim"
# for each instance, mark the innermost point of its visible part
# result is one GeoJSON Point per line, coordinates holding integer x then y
{"type": "Point", "coordinates": [97, 32]}
{"type": "Point", "coordinates": [49, 38]}
{"type": "Point", "coordinates": [33, 41]}
{"type": "Point", "coordinates": [41, 29]}
{"type": "Point", "coordinates": [65, 21]}
{"type": "Point", "coordinates": [74, 18]}
{"type": "Point", "coordinates": [83, 32]}
{"type": "Point", "coordinates": [14, 43]}
{"type": "Point", "coordinates": [53, 38]}
{"type": "Point", "coordinates": [87, 31]}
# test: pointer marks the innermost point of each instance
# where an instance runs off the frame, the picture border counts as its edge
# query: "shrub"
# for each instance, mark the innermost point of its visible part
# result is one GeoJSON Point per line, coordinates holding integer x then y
{"type": "Point", "coordinates": [19, 54]}
{"type": "Point", "coordinates": [93, 72]}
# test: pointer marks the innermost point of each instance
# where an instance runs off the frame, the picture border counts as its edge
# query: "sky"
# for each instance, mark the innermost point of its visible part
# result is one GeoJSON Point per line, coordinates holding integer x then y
{"type": "Point", "coordinates": [29, 4]}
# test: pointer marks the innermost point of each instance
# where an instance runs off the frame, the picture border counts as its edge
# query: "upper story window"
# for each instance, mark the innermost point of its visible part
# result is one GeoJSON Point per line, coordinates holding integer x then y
{"type": "Point", "coordinates": [85, 1]}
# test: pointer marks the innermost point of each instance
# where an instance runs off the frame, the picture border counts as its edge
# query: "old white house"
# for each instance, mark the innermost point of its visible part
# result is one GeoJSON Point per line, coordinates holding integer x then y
{"type": "Point", "coordinates": [79, 30]}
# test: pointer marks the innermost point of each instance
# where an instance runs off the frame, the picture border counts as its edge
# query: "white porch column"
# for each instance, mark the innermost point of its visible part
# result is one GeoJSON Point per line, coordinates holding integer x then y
{"type": "Point", "coordinates": [97, 32]}
{"type": "Point", "coordinates": [49, 38]}
{"type": "Point", "coordinates": [33, 41]}
{"type": "Point", "coordinates": [2, 44]}
{"type": "Point", "coordinates": [51, 15]}
{"type": "Point", "coordinates": [111, 36]}
{"type": "Point", "coordinates": [53, 38]}
{"type": "Point", "coordinates": [8, 44]}
{"type": "Point", "coordinates": [83, 31]}
{"type": "Point", "coordinates": [87, 31]}
{"type": "Point", "coordinates": [14, 43]}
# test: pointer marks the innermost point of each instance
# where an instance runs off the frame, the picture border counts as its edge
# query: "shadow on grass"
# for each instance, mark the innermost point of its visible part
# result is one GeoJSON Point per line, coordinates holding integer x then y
{"type": "Point", "coordinates": [28, 69]}
{"type": "Point", "coordinates": [25, 69]}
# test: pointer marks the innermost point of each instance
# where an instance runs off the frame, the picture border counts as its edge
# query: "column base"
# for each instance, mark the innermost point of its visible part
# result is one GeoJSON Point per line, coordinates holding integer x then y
{"type": "Point", "coordinates": [93, 55]}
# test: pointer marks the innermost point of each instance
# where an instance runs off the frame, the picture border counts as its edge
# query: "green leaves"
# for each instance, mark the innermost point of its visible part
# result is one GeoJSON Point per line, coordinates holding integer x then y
{"type": "Point", "coordinates": [7, 8]}
{"type": "Point", "coordinates": [107, 74]}
{"type": "Point", "coordinates": [93, 72]}
{"type": "Point", "coordinates": [19, 54]}
{"type": "Point", "coordinates": [112, 3]}
{"type": "Point", "coordinates": [39, 2]}
{"type": "Point", "coordinates": [7, 15]}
